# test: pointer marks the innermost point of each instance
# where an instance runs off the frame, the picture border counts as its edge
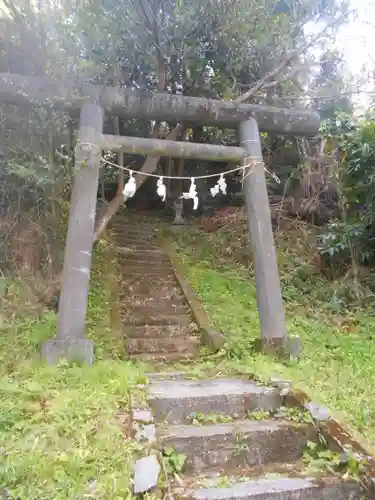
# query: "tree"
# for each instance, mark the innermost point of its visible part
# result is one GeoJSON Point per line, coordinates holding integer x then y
{"type": "Point", "coordinates": [332, 86]}
{"type": "Point", "coordinates": [238, 49]}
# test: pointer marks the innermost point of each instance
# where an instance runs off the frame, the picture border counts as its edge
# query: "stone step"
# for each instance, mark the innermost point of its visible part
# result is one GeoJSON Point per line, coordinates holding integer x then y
{"type": "Point", "coordinates": [175, 401]}
{"type": "Point", "coordinates": [141, 242]}
{"type": "Point", "coordinates": [142, 283]}
{"type": "Point", "coordinates": [122, 235]}
{"type": "Point", "coordinates": [145, 265]}
{"type": "Point", "coordinates": [155, 319]}
{"type": "Point", "coordinates": [148, 298]}
{"type": "Point", "coordinates": [135, 228]}
{"type": "Point", "coordinates": [154, 308]}
{"type": "Point", "coordinates": [162, 345]}
{"type": "Point", "coordinates": [159, 331]}
{"type": "Point", "coordinates": [244, 443]}
{"type": "Point", "coordinates": [153, 273]}
{"type": "Point", "coordinates": [134, 246]}
{"type": "Point", "coordinates": [163, 357]}
{"type": "Point", "coordinates": [154, 256]}
{"type": "Point", "coordinates": [279, 488]}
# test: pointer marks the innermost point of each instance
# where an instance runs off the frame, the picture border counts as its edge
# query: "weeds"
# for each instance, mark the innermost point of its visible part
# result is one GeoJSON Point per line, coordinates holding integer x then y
{"type": "Point", "coordinates": [174, 462]}
{"type": "Point", "coordinates": [294, 414]}
{"type": "Point", "coordinates": [198, 418]}
{"type": "Point", "coordinates": [319, 459]}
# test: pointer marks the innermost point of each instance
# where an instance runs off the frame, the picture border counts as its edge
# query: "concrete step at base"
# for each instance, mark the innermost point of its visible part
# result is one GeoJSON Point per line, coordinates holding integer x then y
{"type": "Point", "coordinates": [152, 345]}
{"type": "Point", "coordinates": [175, 401]}
{"type": "Point", "coordinates": [158, 332]}
{"type": "Point", "coordinates": [163, 357]}
{"type": "Point", "coordinates": [155, 319]}
{"type": "Point", "coordinates": [281, 488]}
{"type": "Point", "coordinates": [238, 444]}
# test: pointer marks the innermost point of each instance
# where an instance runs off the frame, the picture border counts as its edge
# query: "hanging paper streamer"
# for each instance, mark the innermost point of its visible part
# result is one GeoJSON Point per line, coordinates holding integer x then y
{"type": "Point", "coordinates": [161, 189]}
{"type": "Point", "coordinates": [130, 187]}
{"type": "Point", "coordinates": [192, 194]}
{"type": "Point", "coordinates": [220, 186]}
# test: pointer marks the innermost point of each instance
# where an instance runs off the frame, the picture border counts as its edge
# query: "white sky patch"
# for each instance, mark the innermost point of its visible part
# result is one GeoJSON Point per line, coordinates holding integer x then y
{"type": "Point", "coordinates": [357, 42]}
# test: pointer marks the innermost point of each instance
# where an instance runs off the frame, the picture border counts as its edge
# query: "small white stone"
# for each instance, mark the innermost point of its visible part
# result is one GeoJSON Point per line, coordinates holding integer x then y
{"type": "Point", "coordinates": [317, 412]}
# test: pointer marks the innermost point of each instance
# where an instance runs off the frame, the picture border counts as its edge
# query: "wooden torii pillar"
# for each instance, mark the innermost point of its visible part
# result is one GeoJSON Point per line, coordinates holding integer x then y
{"type": "Point", "coordinates": [93, 102]}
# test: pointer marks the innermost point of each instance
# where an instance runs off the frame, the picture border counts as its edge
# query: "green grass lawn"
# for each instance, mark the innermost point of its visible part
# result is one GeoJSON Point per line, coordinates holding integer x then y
{"type": "Point", "coordinates": [338, 363]}
{"type": "Point", "coordinates": [62, 432]}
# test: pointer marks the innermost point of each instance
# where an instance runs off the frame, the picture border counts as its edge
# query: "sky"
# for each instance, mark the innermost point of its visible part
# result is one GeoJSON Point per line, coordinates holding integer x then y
{"type": "Point", "coordinates": [357, 41]}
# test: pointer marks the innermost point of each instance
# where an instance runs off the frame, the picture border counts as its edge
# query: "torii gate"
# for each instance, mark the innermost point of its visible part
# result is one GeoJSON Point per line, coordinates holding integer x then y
{"type": "Point", "coordinates": [93, 101]}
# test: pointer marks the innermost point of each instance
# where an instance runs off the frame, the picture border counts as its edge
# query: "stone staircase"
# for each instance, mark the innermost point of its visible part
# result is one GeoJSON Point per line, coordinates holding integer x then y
{"type": "Point", "coordinates": [238, 441]}
{"type": "Point", "coordinates": [155, 315]}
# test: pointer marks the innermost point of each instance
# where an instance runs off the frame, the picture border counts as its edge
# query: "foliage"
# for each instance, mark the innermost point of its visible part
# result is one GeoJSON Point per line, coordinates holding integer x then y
{"type": "Point", "coordinates": [332, 87]}
{"type": "Point", "coordinates": [212, 49]}
{"type": "Point", "coordinates": [352, 144]}
{"type": "Point", "coordinates": [198, 418]}
{"type": "Point", "coordinates": [319, 458]}
{"type": "Point", "coordinates": [173, 462]}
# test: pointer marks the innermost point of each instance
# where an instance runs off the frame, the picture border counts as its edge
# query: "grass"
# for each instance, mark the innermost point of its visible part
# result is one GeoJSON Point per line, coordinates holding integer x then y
{"type": "Point", "coordinates": [338, 363]}
{"type": "Point", "coordinates": [62, 428]}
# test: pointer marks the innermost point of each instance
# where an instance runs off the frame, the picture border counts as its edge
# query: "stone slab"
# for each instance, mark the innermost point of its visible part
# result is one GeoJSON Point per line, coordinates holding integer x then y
{"type": "Point", "coordinates": [150, 345]}
{"type": "Point", "coordinates": [174, 401]}
{"type": "Point", "coordinates": [246, 443]}
{"type": "Point", "coordinates": [133, 318]}
{"type": "Point", "coordinates": [80, 350]}
{"type": "Point", "coordinates": [160, 331]}
{"type": "Point", "coordinates": [166, 376]}
{"type": "Point", "coordinates": [154, 306]}
{"type": "Point", "coordinates": [142, 415]}
{"type": "Point", "coordinates": [287, 488]}
{"type": "Point", "coordinates": [163, 357]}
{"type": "Point", "coordinates": [146, 474]}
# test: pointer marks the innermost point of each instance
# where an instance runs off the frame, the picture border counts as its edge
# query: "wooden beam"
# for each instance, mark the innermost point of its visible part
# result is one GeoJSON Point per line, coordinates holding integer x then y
{"type": "Point", "coordinates": [174, 149]}
{"type": "Point", "coordinates": [268, 290]}
{"type": "Point", "coordinates": [129, 103]}
{"type": "Point", "coordinates": [70, 341]}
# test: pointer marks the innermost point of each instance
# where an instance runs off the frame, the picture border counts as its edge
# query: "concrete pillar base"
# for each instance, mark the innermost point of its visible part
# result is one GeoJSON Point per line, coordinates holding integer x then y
{"type": "Point", "coordinates": [79, 350]}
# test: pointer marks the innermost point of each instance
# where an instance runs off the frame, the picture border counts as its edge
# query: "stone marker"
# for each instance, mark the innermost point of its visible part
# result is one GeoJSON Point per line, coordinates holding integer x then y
{"type": "Point", "coordinates": [178, 207]}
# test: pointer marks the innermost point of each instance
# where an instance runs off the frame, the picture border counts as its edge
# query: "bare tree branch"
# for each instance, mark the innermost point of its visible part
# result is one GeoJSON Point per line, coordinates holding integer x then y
{"type": "Point", "coordinates": [285, 62]}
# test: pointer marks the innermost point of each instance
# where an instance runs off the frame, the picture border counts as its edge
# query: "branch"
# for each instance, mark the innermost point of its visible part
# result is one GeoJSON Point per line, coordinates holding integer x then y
{"type": "Point", "coordinates": [287, 61]}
